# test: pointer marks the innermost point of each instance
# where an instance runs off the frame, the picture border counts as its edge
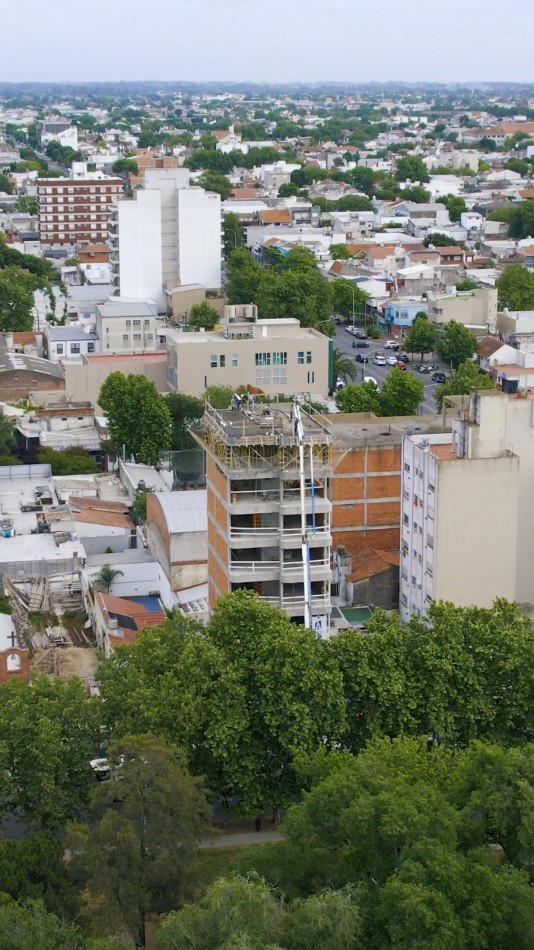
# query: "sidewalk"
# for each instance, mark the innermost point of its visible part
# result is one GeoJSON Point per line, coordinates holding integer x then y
{"type": "Point", "coordinates": [240, 838]}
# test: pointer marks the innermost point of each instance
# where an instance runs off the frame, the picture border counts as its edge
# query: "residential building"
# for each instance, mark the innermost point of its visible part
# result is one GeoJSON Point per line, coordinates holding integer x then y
{"type": "Point", "coordinates": [71, 340]}
{"type": "Point", "coordinates": [166, 235]}
{"type": "Point", "coordinates": [102, 525]}
{"type": "Point", "coordinates": [177, 535]}
{"type": "Point", "coordinates": [59, 129]}
{"type": "Point", "coordinates": [516, 326]}
{"type": "Point", "coordinates": [475, 309]}
{"type": "Point", "coordinates": [254, 507]}
{"type": "Point", "coordinates": [83, 381]}
{"type": "Point", "coordinates": [76, 211]}
{"type": "Point", "coordinates": [118, 620]}
{"type": "Point", "coordinates": [126, 326]}
{"type": "Point", "coordinates": [486, 465]}
{"type": "Point", "coordinates": [276, 356]}
{"type": "Point", "coordinates": [398, 315]}
{"type": "Point", "coordinates": [21, 375]}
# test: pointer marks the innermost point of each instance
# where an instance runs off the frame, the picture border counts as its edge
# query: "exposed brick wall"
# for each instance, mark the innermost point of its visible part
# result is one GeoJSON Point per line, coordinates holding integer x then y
{"type": "Point", "coordinates": [22, 674]}
{"type": "Point", "coordinates": [216, 477]}
{"type": "Point", "coordinates": [369, 477]}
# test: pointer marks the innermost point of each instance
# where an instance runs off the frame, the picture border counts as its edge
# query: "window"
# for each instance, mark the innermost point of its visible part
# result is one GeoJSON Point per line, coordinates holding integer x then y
{"type": "Point", "coordinates": [222, 361]}
{"type": "Point", "coordinates": [75, 347]}
{"type": "Point", "coordinates": [279, 359]}
{"type": "Point", "coordinates": [406, 467]}
{"type": "Point", "coordinates": [279, 376]}
{"type": "Point", "coordinates": [213, 362]}
{"type": "Point", "coordinates": [137, 336]}
{"type": "Point", "coordinates": [146, 323]}
{"type": "Point", "coordinates": [300, 357]}
{"type": "Point", "coordinates": [405, 520]}
{"type": "Point", "coordinates": [91, 347]}
{"type": "Point", "coordinates": [404, 600]}
{"type": "Point", "coordinates": [234, 359]}
{"type": "Point", "coordinates": [263, 377]}
{"type": "Point", "coordinates": [308, 357]}
{"type": "Point", "coordinates": [263, 359]}
{"type": "Point", "coordinates": [311, 376]}
{"type": "Point", "coordinates": [128, 323]}
{"type": "Point", "coordinates": [137, 323]}
{"type": "Point", "coordinates": [150, 336]}
{"type": "Point", "coordinates": [125, 336]}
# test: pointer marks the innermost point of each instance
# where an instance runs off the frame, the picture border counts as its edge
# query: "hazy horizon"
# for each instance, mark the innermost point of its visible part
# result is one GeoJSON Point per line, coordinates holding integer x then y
{"type": "Point", "coordinates": [266, 42]}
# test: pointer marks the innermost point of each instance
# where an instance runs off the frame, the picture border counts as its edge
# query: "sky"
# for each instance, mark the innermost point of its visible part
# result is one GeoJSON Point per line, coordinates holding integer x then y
{"type": "Point", "coordinates": [267, 40]}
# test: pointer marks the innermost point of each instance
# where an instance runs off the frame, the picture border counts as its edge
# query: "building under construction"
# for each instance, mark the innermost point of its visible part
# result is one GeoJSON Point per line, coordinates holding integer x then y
{"type": "Point", "coordinates": [269, 508]}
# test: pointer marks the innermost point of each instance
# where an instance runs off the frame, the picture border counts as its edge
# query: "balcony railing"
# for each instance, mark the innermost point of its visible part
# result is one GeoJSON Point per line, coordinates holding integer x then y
{"type": "Point", "coordinates": [274, 565]}
{"type": "Point", "coordinates": [320, 603]}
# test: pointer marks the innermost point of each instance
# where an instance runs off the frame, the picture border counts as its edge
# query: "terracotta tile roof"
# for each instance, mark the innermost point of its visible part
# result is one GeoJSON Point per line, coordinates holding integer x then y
{"type": "Point", "coordinates": [23, 337]}
{"type": "Point", "coordinates": [112, 519]}
{"type": "Point", "coordinates": [447, 251]}
{"type": "Point", "coordinates": [488, 346]}
{"type": "Point", "coordinates": [137, 617]}
{"type": "Point", "coordinates": [380, 252]}
{"type": "Point", "coordinates": [275, 216]}
{"type": "Point", "coordinates": [526, 193]}
{"type": "Point", "coordinates": [337, 267]}
{"type": "Point", "coordinates": [368, 562]}
{"type": "Point", "coordinates": [98, 504]}
{"type": "Point", "coordinates": [243, 194]}
{"type": "Point", "coordinates": [357, 248]}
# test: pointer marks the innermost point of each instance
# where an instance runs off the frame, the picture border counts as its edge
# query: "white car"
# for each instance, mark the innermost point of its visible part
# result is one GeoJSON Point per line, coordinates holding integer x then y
{"type": "Point", "coordinates": [380, 360]}
{"type": "Point", "coordinates": [391, 345]}
{"type": "Point", "coordinates": [391, 360]}
{"type": "Point", "coordinates": [351, 330]}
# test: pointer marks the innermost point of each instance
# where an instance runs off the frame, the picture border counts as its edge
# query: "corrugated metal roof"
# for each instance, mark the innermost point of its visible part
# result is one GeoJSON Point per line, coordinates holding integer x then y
{"type": "Point", "coordinates": [184, 511]}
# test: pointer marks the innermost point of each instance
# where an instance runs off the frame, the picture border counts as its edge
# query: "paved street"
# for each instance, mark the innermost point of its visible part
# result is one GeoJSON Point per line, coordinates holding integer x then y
{"type": "Point", "coordinates": [343, 341]}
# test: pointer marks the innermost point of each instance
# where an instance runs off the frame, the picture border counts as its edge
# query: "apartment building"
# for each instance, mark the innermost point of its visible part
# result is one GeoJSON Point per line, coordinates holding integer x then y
{"type": "Point", "coordinates": [467, 532]}
{"type": "Point", "coordinates": [475, 309]}
{"type": "Point", "coordinates": [59, 129]}
{"type": "Point", "coordinates": [166, 235]}
{"type": "Point", "coordinates": [76, 211]}
{"type": "Point", "coordinates": [125, 327]}
{"type": "Point", "coordinates": [254, 507]}
{"type": "Point", "coordinates": [276, 356]}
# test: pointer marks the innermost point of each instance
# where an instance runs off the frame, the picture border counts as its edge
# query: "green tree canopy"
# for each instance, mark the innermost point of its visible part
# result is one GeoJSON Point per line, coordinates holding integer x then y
{"type": "Point", "coordinates": [31, 927]}
{"type": "Point", "coordinates": [519, 218]}
{"type": "Point", "coordinates": [203, 315]}
{"type": "Point", "coordinates": [348, 298]}
{"type": "Point", "coordinates": [455, 206]}
{"type": "Point", "coordinates": [5, 185]}
{"type": "Point", "coordinates": [456, 344]}
{"type": "Point", "coordinates": [125, 166]}
{"type": "Point", "coordinates": [16, 299]}
{"type": "Point", "coordinates": [233, 233]}
{"type": "Point", "coordinates": [462, 381]}
{"type": "Point", "coordinates": [343, 367]}
{"type": "Point", "coordinates": [138, 417]}
{"type": "Point", "coordinates": [401, 394]}
{"type": "Point", "coordinates": [185, 412]}
{"type": "Point", "coordinates": [72, 461]}
{"type": "Point", "coordinates": [422, 337]}
{"type": "Point", "coordinates": [339, 252]}
{"type": "Point", "coordinates": [364, 398]}
{"type": "Point", "coordinates": [411, 167]}
{"type": "Point", "coordinates": [213, 181]}
{"type": "Point", "coordinates": [151, 814]}
{"type": "Point", "coordinates": [516, 288]}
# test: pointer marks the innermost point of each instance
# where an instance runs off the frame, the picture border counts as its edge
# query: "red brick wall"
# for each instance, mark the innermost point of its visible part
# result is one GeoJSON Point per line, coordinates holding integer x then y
{"type": "Point", "coordinates": [22, 674]}
{"type": "Point", "coordinates": [366, 496]}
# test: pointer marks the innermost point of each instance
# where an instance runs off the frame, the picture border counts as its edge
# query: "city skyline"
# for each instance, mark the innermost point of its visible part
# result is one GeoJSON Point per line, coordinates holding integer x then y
{"type": "Point", "coordinates": [234, 41]}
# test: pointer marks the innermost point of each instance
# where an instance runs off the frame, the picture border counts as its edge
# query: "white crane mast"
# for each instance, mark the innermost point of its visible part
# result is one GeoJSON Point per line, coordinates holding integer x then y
{"type": "Point", "coordinates": [299, 432]}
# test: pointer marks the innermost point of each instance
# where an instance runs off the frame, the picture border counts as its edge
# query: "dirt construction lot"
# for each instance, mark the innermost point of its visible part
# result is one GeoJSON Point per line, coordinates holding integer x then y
{"type": "Point", "coordinates": [73, 661]}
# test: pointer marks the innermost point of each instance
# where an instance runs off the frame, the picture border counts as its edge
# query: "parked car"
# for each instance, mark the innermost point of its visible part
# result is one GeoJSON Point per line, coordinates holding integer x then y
{"type": "Point", "coordinates": [360, 334]}
{"type": "Point", "coordinates": [31, 505]}
{"type": "Point", "coordinates": [400, 365]}
{"type": "Point", "coordinates": [391, 360]}
{"type": "Point", "coordinates": [361, 344]}
{"type": "Point", "coordinates": [391, 345]}
{"type": "Point", "coordinates": [438, 377]}
{"type": "Point", "coordinates": [428, 368]}
{"type": "Point", "coordinates": [403, 357]}
{"type": "Point", "coordinates": [361, 358]}
{"type": "Point", "coordinates": [379, 360]}
{"type": "Point", "coordinates": [351, 329]}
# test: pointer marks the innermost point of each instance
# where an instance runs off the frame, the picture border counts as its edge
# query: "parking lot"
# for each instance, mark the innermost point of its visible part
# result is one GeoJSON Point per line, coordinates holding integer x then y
{"type": "Point", "coordinates": [343, 340]}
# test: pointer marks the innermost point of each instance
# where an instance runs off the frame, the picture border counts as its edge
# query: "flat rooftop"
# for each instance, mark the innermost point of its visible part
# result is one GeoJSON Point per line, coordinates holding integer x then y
{"type": "Point", "coordinates": [273, 422]}
{"type": "Point", "coordinates": [350, 429]}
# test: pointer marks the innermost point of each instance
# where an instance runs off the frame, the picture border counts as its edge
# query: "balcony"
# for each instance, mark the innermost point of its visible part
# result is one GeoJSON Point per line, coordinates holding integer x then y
{"type": "Point", "coordinates": [254, 501]}
{"type": "Point", "coordinates": [287, 537]}
{"type": "Point", "coordinates": [294, 606]}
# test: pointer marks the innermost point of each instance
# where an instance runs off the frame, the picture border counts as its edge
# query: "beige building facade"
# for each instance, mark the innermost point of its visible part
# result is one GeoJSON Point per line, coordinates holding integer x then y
{"type": "Point", "coordinates": [276, 356]}
{"type": "Point", "coordinates": [84, 380]}
{"type": "Point", "coordinates": [475, 309]}
{"type": "Point", "coordinates": [125, 327]}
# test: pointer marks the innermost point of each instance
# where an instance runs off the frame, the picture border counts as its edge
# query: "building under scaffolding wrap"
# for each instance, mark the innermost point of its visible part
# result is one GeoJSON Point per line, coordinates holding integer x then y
{"type": "Point", "coordinates": [268, 484]}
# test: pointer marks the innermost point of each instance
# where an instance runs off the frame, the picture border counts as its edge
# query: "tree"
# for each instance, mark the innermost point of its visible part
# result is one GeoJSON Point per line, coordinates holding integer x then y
{"type": "Point", "coordinates": [212, 181]}
{"type": "Point", "coordinates": [455, 206]}
{"type": "Point", "coordinates": [233, 234]}
{"type": "Point", "coordinates": [411, 167]}
{"type": "Point", "coordinates": [106, 576]}
{"type": "Point", "coordinates": [339, 252]}
{"type": "Point", "coordinates": [516, 288]}
{"type": "Point", "coordinates": [456, 344]}
{"type": "Point", "coordinates": [249, 913]}
{"type": "Point", "coordinates": [519, 218]}
{"type": "Point", "coordinates": [219, 397]}
{"type": "Point", "coordinates": [467, 284]}
{"type": "Point", "coordinates": [7, 441]}
{"type": "Point", "coordinates": [437, 240]}
{"type": "Point", "coordinates": [364, 398]}
{"type": "Point", "coordinates": [422, 337]}
{"type": "Point", "coordinates": [417, 194]}
{"type": "Point", "coordinates": [244, 275]}
{"type": "Point", "coordinates": [50, 731]}
{"type": "Point", "coordinates": [72, 461]}
{"type": "Point", "coordinates": [16, 299]}
{"type": "Point", "coordinates": [343, 367]}
{"type": "Point", "coordinates": [185, 412]}
{"type": "Point", "coordinates": [136, 858]}
{"type": "Point", "coordinates": [401, 394]}
{"type": "Point", "coordinates": [34, 869]}
{"type": "Point", "coordinates": [138, 417]}
{"type": "Point", "coordinates": [6, 186]}
{"type": "Point", "coordinates": [203, 315]}
{"type": "Point", "coordinates": [125, 166]}
{"type": "Point", "coordinates": [348, 298]}
{"type": "Point", "coordinates": [462, 381]}
{"type": "Point", "coordinates": [29, 926]}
